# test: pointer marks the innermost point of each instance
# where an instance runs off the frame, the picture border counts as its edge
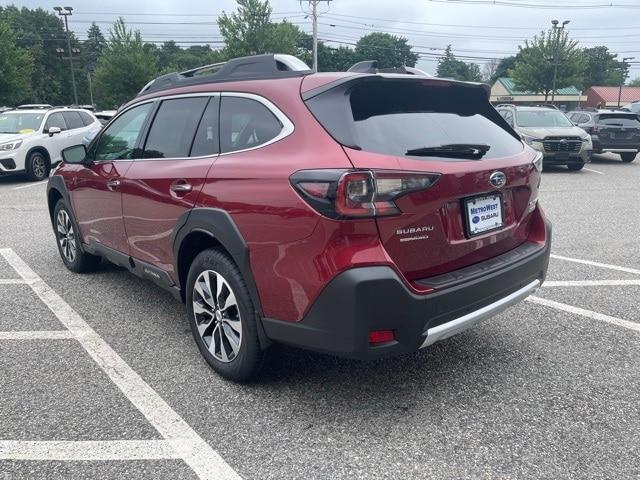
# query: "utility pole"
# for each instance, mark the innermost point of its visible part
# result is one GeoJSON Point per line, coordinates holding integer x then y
{"type": "Point", "coordinates": [314, 18]}
{"type": "Point", "coordinates": [66, 12]}
{"type": "Point", "coordinates": [557, 31]}
{"type": "Point", "coordinates": [623, 76]}
{"type": "Point", "coordinates": [90, 87]}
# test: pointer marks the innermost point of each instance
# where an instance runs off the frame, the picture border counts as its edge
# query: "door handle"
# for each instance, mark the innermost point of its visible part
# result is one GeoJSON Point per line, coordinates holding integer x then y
{"type": "Point", "coordinates": [181, 188]}
{"type": "Point", "coordinates": [113, 184]}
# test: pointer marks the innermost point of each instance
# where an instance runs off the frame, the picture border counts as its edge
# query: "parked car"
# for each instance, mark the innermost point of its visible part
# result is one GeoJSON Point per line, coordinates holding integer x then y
{"type": "Point", "coordinates": [632, 107]}
{"type": "Point", "coordinates": [31, 141]}
{"type": "Point", "coordinates": [549, 131]}
{"type": "Point", "coordinates": [105, 115]}
{"type": "Point", "coordinates": [611, 131]}
{"type": "Point", "coordinates": [362, 215]}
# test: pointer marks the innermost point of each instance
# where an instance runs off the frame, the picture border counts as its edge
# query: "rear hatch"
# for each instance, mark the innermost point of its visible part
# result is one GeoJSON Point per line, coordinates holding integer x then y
{"type": "Point", "coordinates": [415, 124]}
{"type": "Point", "coordinates": [619, 129]}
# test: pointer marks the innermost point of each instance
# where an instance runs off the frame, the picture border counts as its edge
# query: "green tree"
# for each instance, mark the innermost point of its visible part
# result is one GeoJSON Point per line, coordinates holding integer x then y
{"type": "Point", "coordinates": [601, 67]}
{"type": "Point", "coordinates": [390, 51]}
{"type": "Point", "coordinates": [124, 67]}
{"type": "Point", "coordinates": [16, 65]}
{"type": "Point", "coordinates": [93, 46]}
{"type": "Point", "coordinates": [249, 31]}
{"type": "Point", "coordinates": [41, 33]}
{"type": "Point", "coordinates": [450, 67]}
{"type": "Point", "coordinates": [534, 70]}
{"type": "Point", "coordinates": [504, 68]}
{"type": "Point", "coordinates": [635, 83]}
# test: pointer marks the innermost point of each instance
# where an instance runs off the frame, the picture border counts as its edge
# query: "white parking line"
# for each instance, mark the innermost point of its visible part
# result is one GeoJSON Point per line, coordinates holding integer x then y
{"type": "Point", "coordinates": [37, 335]}
{"type": "Point", "coordinates": [188, 445]}
{"type": "Point", "coordinates": [87, 450]}
{"type": "Point", "coordinates": [586, 313]}
{"type": "Point", "coordinates": [597, 264]}
{"type": "Point", "coordinates": [594, 171]}
{"type": "Point", "coordinates": [589, 283]}
{"type": "Point", "coordinates": [30, 185]}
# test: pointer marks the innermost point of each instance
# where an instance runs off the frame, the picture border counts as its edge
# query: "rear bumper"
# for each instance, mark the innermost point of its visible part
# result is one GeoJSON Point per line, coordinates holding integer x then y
{"type": "Point", "coordinates": [615, 147]}
{"type": "Point", "coordinates": [365, 299]}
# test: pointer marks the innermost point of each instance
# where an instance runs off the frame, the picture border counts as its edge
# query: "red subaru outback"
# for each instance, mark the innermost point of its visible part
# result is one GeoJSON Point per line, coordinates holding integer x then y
{"type": "Point", "coordinates": [361, 214]}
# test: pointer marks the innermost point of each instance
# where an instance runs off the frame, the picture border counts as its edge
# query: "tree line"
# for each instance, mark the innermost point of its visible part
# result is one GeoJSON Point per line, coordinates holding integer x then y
{"type": "Point", "coordinates": [118, 64]}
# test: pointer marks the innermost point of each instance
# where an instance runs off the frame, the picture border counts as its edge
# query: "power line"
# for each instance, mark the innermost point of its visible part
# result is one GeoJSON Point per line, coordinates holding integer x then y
{"type": "Point", "coordinates": [549, 6]}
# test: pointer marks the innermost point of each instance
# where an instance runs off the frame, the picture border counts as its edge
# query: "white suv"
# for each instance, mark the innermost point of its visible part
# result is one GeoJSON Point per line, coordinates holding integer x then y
{"type": "Point", "coordinates": [31, 140]}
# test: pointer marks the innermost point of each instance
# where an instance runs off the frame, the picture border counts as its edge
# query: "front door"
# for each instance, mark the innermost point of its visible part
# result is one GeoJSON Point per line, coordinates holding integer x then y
{"type": "Point", "coordinates": [180, 147]}
{"type": "Point", "coordinates": [96, 189]}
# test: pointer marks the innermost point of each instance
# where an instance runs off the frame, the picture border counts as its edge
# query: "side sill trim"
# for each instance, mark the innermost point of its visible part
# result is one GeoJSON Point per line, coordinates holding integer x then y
{"type": "Point", "coordinates": [470, 320]}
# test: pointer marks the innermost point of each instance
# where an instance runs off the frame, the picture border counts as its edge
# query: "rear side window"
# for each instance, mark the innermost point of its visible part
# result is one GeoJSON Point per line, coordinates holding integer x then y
{"type": "Point", "coordinates": [619, 120]}
{"type": "Point", "coordinates": [394, 117]}
{"type": "Point", "coordinates": [56, 120]}
{"type": "Point", "coordinates": [73, 120]}
{"type": "Point", "coordinates": [206, 141]}
{"type": "Point", "coordinates": [87, 119]}
{"type": "Point", "coordinates": [174, 127]}
{"type": "Point", "coordinates": [246, 123]}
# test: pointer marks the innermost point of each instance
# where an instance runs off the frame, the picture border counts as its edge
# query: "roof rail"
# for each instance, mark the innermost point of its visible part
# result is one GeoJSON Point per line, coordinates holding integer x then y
{"type": "Point", "coordinates": [256, 67]}
{"type": "Point", "coordinates": [505, 105]}
{"type": "Point", "coordinates": [371, 66]}
{"type": "Point", "coordinates": [34, 106]}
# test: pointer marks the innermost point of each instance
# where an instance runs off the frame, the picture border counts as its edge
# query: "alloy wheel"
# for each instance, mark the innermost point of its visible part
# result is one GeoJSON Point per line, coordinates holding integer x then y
{"type": "Point", "coordinates": [217, 316]}
{"type": "Point", "coordinates": [39, 166]}
{"type": "Point", "coordinates": [66, 236]}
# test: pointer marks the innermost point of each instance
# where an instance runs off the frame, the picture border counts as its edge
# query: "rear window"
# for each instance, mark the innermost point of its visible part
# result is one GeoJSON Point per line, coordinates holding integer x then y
{"type": "Point", "coordinates": [619, 120]}
{"type": "Point", "coordinates": [393, 117]}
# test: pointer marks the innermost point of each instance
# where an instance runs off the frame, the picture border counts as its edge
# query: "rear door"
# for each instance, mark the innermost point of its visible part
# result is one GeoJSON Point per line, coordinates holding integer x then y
{"type": "Point", "coordinates": [468, 215]}
{"type": "Point", "coordinates": [180, 147]}
{"type": "Point", "coordinates": [57, 142]}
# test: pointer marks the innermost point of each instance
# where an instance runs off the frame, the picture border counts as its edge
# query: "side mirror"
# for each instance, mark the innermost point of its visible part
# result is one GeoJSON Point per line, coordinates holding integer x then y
{"type": "Point", "coordinates": [75, 154]}
{"type": "Point", "coordinates": [53, 130]}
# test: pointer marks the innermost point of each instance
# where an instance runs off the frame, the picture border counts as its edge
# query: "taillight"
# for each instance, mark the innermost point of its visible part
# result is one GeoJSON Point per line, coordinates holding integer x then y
{"type": "Point", "coordinates": [342, 194]}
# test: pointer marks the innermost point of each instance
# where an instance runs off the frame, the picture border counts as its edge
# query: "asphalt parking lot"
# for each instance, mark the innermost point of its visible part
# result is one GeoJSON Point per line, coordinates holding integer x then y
{"type": "Point", "coordinates": [100, 378]}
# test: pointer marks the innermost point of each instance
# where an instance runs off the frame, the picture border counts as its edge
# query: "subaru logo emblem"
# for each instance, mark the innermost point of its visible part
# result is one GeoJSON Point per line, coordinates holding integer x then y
{"type": "Point", "coordinates": [498, 179]}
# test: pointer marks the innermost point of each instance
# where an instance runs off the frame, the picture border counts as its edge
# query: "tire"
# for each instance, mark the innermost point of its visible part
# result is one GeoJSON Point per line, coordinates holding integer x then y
{"type": "Point", "coordinates": [37, 166]}
{"type": "Point", "coordinates": [628, 157]}
{"type": "Point", "coordinates": [226, 333]}
{"type": "Point", "coordinates": [574, 167]}
{"type": "Point", "coordinates": [69, 245]}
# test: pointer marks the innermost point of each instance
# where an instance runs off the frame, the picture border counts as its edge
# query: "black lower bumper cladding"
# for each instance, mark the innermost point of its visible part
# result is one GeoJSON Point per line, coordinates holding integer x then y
{"type": "Point", "coordinates": [365, 299]}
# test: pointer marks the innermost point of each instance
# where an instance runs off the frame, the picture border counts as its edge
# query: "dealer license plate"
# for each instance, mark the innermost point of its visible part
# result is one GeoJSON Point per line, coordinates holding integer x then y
{"type": "Point", "coordinates": [484, 214]}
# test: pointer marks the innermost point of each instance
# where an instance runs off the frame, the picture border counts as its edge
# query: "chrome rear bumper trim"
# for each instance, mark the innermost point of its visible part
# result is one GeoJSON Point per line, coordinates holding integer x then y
{"type": "Point", "coordinates": [470, 320]}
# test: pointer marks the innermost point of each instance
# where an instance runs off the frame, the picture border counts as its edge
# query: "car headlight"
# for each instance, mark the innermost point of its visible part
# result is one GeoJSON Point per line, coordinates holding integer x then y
{"type": "Point", "coordinates": [4, 147]}
{"type": "Point", "coordinates": [530, 140]}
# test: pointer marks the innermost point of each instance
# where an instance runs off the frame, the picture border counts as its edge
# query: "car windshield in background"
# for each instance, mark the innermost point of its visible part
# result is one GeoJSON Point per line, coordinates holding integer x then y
{"type": "Point", "coordinates": [542, 119]}
{"type": "Point", "coordinates": [419, 120]}
{"type": "Point", "coordinates": [619, 120]}
{"type": "Point", "coordinates": [20, 122]}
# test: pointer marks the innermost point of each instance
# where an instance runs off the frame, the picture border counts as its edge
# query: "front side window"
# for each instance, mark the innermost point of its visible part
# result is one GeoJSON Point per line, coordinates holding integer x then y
{"type": "Point", "coordinates": [542, 119]}
{"type": "Point", "coordinates": [14, 122]}
{"type": "Point", "coordinates": [117, 142]}
{"type": "Point", "coordinates": [174, 127]}
{"type": "Point", "coordinates": [246, 123]}
{"type": "Point", "coordinates": [56, 120]}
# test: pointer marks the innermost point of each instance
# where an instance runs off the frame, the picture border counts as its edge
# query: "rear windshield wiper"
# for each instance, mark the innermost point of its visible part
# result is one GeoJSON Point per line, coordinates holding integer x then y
{"type": "Point", "coordinates": [454, 150]}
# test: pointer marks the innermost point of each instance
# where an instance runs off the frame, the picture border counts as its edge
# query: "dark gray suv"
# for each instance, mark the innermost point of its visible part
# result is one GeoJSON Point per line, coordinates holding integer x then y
{"type": "Point", "coordinates": [611, 131]}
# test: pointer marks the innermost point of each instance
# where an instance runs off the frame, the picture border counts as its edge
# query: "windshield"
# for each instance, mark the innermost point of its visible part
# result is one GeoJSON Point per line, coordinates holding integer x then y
{"type": "Point", "coordinates": [16, 122]}
{"type": "Point", "coordinates": [536, 118]}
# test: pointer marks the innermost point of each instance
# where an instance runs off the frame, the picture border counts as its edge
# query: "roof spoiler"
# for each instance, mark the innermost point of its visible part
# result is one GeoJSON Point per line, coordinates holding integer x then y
{"type": "Point", "coordinates": [256, 67]}
{"type": "Point", "coordinates": [371, 66]}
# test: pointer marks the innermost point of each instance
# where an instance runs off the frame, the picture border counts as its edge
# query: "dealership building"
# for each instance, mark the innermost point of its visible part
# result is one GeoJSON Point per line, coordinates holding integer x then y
{"type": "Point", "coordinates": [505, 91]}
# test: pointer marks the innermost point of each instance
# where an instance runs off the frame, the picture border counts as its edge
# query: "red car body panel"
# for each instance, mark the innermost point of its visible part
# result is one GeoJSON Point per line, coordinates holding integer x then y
{"type": "Point", "coordinates": [294, 251]}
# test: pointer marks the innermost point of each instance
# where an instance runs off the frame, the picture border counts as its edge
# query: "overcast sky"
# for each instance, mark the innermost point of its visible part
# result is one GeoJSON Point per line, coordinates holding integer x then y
{"type": "Point", "coordinates": [481, 30]}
